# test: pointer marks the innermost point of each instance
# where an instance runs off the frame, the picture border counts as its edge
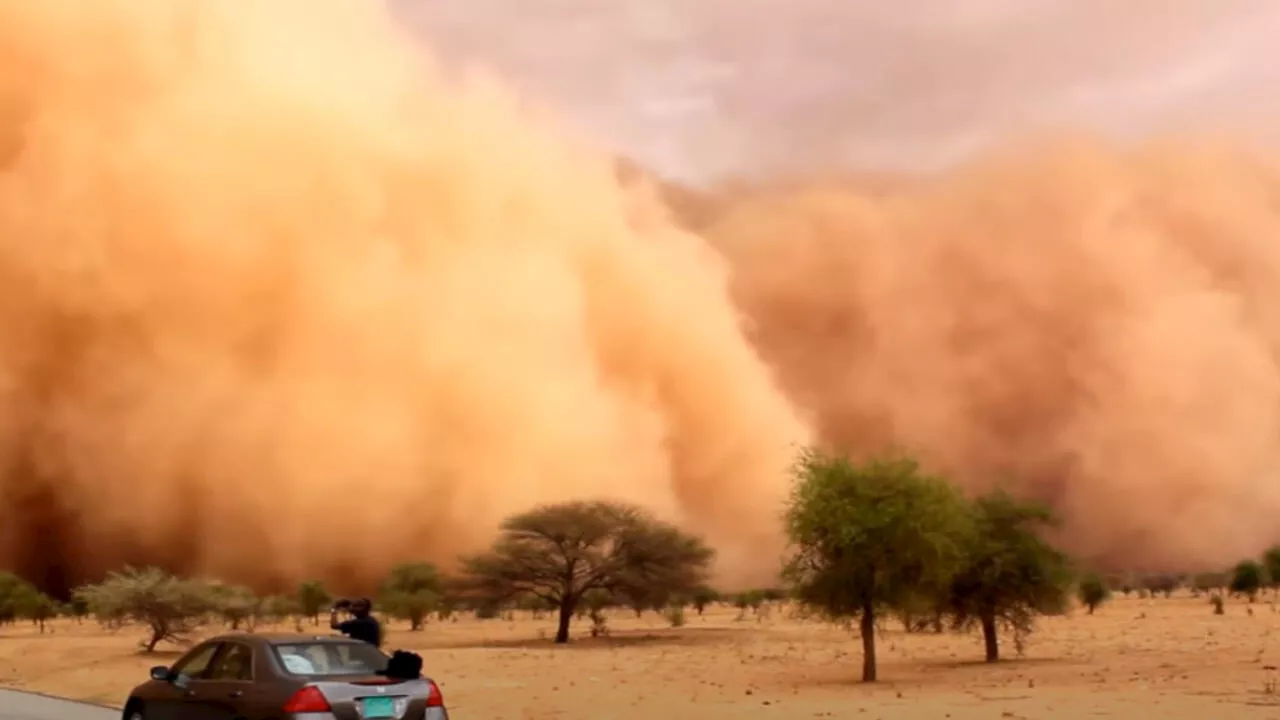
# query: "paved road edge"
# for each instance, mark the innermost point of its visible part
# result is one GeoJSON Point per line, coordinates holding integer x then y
{"type": "Point", "coordinates": [25, 704]}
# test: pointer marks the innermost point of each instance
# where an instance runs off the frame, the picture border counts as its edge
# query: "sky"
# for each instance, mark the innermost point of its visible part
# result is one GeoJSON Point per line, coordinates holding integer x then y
{"type": "Point", "coordinates": [705, 88]}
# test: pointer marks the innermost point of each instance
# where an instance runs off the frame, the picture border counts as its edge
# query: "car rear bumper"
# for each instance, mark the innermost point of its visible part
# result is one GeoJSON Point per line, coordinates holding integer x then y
{"type": "Point", "coordinates": [433, 713]}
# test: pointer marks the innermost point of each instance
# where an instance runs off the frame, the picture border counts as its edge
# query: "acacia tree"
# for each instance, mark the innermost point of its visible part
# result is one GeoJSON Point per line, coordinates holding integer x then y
{"type": "Point", "coordinates": [13, 592]}
{"type": "Point", "coordinates": [1010, 574]}
{"type": "Point", "coordinates": [170, 607]}
{"type": "Point", "coordinates": [313, 598]}
{"type": "Point", "coordinates": [1164, 583]}
{"type": "Point", "coordinates": [1248, 578]}
{"type": "Point", "coordinates": [561, 552]}
{"type": "Point", "coordinates": [33, 605]}
{"type": "Point", "coordinates": [411, 592]}
{"type": "Point", "coordinates": [869, 538]}
{"type": "Point", "coordinates": [702, 597]}
{"type": "Point", "coordinates": [1271, 564]}
{"type": "Point", "coordinates": [1092, 591]}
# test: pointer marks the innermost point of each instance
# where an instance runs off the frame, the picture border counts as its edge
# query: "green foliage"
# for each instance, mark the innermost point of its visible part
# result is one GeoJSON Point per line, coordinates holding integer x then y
{"type": "Point", "coordinates": [560, 552]}
{"type": "Point", "coordinates": [13, 592]}
{"type": "Point", "coordinates": [674, 615]}
{"type": "Point", "coordinates": [748, 600]}
{"type": "Point", "coordinates": [1271, 565]}
{"type": "Point", "coordinates": [703, 596]}
{"type": "Point", "coordinates": [1162, 584]}
{"type": "Point", "coordinates": [31, 604]}
{"type": "Point", "coordinates": [412, 591]}
{"type": "Point", "coordinates": [1010, 574]}
{"type": "Point", "coordinates": [276, 609]}
{"type": "Point", "coordinates": [1210, 582]}
{"type": "Point", "coordinates": [640, 598]}
{"type": "Point", "coordinates": [1248, 578]}
{"type": "Point", "coordinates": [870, 537]}
{"type": "Point", "coordinates": [773, 594]}
{"type": "Point", "coordinates": [920, 613]}
{"type": "Point", "coordinates": [488, 609]}
{"type": "Point", "coordinates": [313, 598]}
{"type": "Point", "coordinates": [236, 605]}
{"type": "Point", "coordinates": [1092, 591]}
{"type": "Point", "coordinates": [168, 606]}
{"type": "Point", "coordinates": [78, 609]}
{"type": "Point", "coordinates": [446, 606]}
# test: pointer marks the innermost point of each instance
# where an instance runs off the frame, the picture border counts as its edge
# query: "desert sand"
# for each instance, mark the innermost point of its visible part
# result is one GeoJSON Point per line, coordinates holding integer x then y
{"type": "Point", "coordinates": [1165, 658]}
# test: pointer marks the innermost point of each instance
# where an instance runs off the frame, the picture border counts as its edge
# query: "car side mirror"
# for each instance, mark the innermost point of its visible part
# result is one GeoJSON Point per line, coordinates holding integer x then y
{"type": "Point", "coordinates": [160, 673]}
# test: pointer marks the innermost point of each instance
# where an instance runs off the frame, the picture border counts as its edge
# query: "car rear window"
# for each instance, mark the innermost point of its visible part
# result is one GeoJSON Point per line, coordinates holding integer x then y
{"type": "Point", "coordinates": [331, 658]}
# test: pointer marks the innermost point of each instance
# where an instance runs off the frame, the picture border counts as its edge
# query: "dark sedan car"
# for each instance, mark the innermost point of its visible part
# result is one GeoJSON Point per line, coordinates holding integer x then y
{"type": "Point", "coordinates": [283, 677]}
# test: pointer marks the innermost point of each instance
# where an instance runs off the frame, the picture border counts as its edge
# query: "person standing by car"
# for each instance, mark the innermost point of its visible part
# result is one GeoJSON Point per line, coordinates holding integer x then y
{"type": "Point", "coordinates": [362, 625]}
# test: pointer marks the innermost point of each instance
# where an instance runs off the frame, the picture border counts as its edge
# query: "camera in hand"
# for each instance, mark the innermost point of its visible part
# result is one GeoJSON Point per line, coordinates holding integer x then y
{"type": "Point", "coordinates": [342, 604]}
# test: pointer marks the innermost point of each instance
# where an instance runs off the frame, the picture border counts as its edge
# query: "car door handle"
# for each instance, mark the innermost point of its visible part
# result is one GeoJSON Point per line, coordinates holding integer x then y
{"type": "Point", "coordinates": [189, 693]}
{"type": "Point", "coordinates": [235, 694]}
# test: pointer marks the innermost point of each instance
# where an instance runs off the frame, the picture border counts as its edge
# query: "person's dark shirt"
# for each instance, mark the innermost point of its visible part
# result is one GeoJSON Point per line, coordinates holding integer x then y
{"type": "Point", "coordinates": [364, 628]}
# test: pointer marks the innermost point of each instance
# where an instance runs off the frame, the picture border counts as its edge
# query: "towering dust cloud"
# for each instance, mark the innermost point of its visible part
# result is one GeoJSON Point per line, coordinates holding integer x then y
{"type": "Point", "coordinates": [277, 301]}
{"type": "Point", "coordinates": [1098, 328]}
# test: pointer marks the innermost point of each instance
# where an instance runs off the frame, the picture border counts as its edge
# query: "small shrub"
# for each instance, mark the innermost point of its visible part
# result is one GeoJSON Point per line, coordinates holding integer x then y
{"type": "Point", "coordinates": [599, 624]}
{"type": "Point", "coordinates": [1092, 592]}
{"type": "Point", "coordinates": [313, 598]}
{"type": "Point", "coordinates": [1247, 579]}
{"type": "Point", "coordinates": [1216, 601]}
{"type": "Point", "coordinates": [674, 615]}
{"type": "Point", "coordinates": [702, 597]}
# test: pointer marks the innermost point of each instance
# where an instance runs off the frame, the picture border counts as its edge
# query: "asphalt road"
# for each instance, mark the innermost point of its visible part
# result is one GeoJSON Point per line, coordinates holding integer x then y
{"type": "Point", "coordinates": [16, 705]}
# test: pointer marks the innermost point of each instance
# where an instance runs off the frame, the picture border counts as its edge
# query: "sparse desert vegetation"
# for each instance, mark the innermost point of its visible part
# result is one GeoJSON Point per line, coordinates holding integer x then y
{"type": "Point", "coordinates": [939, 602]}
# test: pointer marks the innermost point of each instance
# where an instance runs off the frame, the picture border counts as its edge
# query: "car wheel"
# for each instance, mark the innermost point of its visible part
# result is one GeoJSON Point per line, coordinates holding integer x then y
{"type": "Point", "coordinates": [133, 711]}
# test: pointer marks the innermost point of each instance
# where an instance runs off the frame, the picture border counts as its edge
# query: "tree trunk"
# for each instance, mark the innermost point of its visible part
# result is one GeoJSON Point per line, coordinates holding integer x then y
{"type": "Point", "coordinates": [989, 637]}
{"type": "Point", "coordinates": [566, 615]}
{"type": "Point", "coordinates": [867, 627]}
{"type": "Point", "coordinates": [1092, 607]}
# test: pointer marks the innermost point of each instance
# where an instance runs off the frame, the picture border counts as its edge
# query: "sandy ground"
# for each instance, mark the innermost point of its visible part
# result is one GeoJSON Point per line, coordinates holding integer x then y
{"type": "Point", "coordinates": [1162, 658]}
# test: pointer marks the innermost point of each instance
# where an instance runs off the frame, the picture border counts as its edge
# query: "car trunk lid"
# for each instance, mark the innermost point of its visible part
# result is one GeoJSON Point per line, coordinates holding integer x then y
{"type": "Point", "coordinates": [374, 697]}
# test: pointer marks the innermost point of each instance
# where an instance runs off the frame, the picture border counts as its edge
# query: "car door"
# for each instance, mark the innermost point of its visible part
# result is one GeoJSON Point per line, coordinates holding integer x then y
{"type": "Point", "coordinates": [174, 699]}
{"type": "Point", "coordinates": [230, 691]}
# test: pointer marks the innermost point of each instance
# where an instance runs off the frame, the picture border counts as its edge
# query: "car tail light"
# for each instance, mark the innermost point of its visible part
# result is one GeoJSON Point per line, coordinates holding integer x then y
{"type": "Point", "coordinates": [434, 697]}
{"type": "Point", "coordinates": [308, 700]}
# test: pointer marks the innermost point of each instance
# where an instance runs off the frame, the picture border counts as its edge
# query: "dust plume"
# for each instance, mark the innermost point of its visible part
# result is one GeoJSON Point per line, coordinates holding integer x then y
{"type": "Point", "coordinates": [1097, 327]}
{"type": "Point", "coordinates": [277, 301]}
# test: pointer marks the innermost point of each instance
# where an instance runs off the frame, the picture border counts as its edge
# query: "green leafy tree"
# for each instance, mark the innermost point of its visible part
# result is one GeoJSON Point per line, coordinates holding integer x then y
{"type": "Point", "coordinates": [236, 605]}
{"type": "Point", "coordinates": [169, 607]}
{"type": "Point", "coordinates": [1271, 564]}
{"type": "Point", "coordinates": [33, 605]}
{"type": "Point", "coordinates": [313, 599]}
{"type": "Point", "coordinates": [276, 609]}
{"type": "Point", "coordinates": [78, 609]}
{"type": "Point", "coordinates": [773, 594]}
{"type": "Point", "coordinates": [1248, 578]}
{"type": "Point", "coordinates": [746, 600]}
{"type": "Point", "coordinates": [411, 592]}
{"type": "Point", "coordinates": [868, 537]}
{"type": "Point", "coordinates": [702, 597]}
{"type": "Point", "coordinates": [1010, 574]}
{"type": "Point", "coordinates": [1162, 583]}
{"type": "Point", "coordinates": [1092, 591]}
{"type": "Point", "coordinates": [1210, 582]}
{"type": "Point", "coordinates": [639, 598]}
{"type": "Point", "coordinates": [13, 590]}
{"type": "Point", "coordinates": [561, 552]}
